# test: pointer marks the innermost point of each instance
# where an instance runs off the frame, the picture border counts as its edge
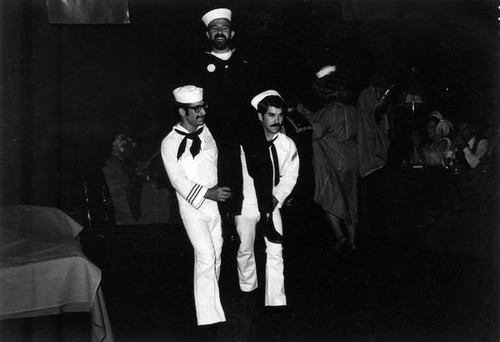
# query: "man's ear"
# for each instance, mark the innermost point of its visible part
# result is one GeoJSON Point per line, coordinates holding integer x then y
{"type": "Point", "coordinates": [208, 36]}
{"type": "Point", "coordinates": [261, 117]}
{"type": "Point", "coordinates": [232, 34]}
{"type": "Point", "coordinates": [182, 111]}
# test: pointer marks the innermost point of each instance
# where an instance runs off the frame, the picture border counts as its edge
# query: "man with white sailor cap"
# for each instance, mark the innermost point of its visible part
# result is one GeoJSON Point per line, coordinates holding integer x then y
{"type": "Point", "coordinates": [228, 81]}
{"type": "Point", "coordinates": [190, 154]}
{"type": "Point", "coordinates": [270, 109]}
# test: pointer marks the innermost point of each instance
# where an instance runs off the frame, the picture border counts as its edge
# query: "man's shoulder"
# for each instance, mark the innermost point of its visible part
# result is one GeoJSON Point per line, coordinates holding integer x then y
{"type": "Point", "coordinates": [206, 130]}
{"type": "Point", "coordinates": [171, 137]}
{"type": "Point", "coordinates": [241, 56]}
{"type": "Point", "coordinates": [285, 140]}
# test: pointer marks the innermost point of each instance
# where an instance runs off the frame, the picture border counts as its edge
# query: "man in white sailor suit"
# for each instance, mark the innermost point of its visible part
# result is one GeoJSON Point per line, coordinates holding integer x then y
{"type": "Point", "coordinates": [190, 156]}
{"type": "Point", "coordinates": [270, 110]}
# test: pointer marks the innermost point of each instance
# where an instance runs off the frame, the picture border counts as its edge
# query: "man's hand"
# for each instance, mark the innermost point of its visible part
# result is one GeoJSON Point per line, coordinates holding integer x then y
{"type": "Point", "coordinates": [218, 193]}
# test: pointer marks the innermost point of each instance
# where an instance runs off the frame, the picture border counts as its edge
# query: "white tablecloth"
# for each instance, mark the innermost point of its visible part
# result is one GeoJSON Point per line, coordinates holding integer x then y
{"type": "Point", "coordinates": [43, 270]}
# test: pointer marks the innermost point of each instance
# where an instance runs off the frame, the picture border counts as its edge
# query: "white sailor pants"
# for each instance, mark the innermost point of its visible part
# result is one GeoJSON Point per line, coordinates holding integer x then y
{"type": "Point", "coordinates": [247, 271]}
{"type": "Point", "coordinates": [206, 237]}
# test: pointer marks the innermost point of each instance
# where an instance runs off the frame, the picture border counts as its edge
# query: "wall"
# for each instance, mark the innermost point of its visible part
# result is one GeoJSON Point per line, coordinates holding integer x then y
{"type": "Point", "coordinates": [67, 90]}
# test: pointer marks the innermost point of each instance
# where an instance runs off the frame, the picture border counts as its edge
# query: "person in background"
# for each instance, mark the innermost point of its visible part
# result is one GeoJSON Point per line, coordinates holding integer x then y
{"type": "Point", "coordinates": [372, 106]}
{"type": "Point", "coordinates": [189, 154]}
{"type": "Point", "coordinates": [228, 80]}
{"type": "Point", "coordinates": [336, 162]}
{"type": "Point", "coordinates": [436, 149]}
{"type": "Point", "coordinates": [470, 148]}
{"type": "Point", "coordinates": [124, 149]}
{"type": "Point", "coordinates": [285, 158]}
{"type": "Point", "coordinates": [372, 101]}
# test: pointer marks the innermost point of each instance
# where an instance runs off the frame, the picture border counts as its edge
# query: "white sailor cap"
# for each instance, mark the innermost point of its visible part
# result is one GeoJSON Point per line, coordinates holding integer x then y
{"type": "Point", "coordinates": [188, 94]}
{"type": "Point", "coordinates": [255, 101]}
{"type": "Point", "coordinates": [217, 13]}
{"type": "Point", "coordinates": [326, 70]}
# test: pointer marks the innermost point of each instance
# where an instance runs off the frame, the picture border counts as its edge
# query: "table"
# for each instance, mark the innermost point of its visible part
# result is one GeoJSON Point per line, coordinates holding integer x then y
{"type": "Point", "coordinates": [43, 270]}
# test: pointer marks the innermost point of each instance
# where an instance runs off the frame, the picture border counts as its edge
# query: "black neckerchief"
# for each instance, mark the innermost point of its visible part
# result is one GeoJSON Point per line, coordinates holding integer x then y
{"type": "Point", "coordinates": [195, 146]}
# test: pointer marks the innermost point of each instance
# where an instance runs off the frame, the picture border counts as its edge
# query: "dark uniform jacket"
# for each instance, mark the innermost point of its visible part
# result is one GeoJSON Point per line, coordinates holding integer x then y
{"type": "Point", "coordinates": [229, 85]}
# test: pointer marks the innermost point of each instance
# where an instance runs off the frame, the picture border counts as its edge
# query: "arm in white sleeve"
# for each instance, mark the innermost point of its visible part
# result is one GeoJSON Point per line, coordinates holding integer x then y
{"type": "Point", "coordinates": [192, 192]}
{"type": "Point", "coordinates": [475, 158]}
{"type": "Point", "coordinates": [288, 174]}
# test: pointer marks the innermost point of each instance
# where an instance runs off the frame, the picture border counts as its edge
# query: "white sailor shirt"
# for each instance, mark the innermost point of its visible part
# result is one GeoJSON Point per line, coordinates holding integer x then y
{"type": "Point", "coordinates": [288, 168]}
{"type": "Point", "coordinates": [192, 176]}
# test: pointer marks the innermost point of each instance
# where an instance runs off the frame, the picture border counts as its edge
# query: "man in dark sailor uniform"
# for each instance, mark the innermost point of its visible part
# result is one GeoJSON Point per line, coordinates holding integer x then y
{"type": "Point", "coordinates": [228, 80]}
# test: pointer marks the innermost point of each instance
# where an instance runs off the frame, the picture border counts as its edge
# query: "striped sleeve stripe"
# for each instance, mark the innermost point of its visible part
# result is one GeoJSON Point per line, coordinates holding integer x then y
{"type": "Point", "coordinates": [193, 193]}
{"type": "Point", "coordinates": [196, 194]}
{"type": "Point", "coordinates": [189, 195]}
{"type": "Point", "coordinates": [295, 155]}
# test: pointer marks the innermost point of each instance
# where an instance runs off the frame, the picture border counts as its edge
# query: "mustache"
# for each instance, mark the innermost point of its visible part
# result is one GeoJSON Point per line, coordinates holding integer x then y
{"type": "Point", "coordinates": [276, 125]}
{"type": "Point", "coordinates": [219, 35]}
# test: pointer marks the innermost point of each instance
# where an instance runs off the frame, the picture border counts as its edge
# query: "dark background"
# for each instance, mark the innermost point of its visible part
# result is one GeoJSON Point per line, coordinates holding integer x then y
{"type": "Point", "coordinates": [68, 89]}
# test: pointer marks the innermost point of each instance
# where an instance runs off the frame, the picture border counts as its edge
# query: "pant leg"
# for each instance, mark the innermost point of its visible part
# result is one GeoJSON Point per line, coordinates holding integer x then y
{"type": "Point", "coordinates": [206, 238]}
{"type": "Point", "coordinates": [217, 240]}
{"type": "Point", "coordinates": [247, 270]}
{"type": "Point", "coordinates": [275, 280]}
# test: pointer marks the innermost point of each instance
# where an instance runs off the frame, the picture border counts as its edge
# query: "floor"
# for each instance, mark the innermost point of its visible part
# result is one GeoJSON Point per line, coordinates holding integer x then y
{"type": "Point", "coordinates": [415, 285]}
{"type": "Point", "coordinates": [387, 291]}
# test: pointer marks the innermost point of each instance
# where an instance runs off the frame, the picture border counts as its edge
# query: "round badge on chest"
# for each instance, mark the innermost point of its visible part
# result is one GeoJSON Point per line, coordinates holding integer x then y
{"type": "Point", "coordinates": [208, 139]}
{"type": "Point", "coordinates": [211, 68]}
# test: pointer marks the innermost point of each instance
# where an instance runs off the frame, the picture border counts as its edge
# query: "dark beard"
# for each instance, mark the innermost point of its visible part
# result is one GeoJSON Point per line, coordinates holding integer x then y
{"type": "Point", "coordinates": [220, 44]}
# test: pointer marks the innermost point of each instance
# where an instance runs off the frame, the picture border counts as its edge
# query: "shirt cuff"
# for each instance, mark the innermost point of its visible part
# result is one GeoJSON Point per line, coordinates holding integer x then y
{"type": "Point", "coordinates": [196, 196]}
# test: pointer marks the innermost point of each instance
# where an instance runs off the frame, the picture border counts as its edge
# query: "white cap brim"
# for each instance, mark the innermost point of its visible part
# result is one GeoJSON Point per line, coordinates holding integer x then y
{"type": "Point", "coordinates": [255, 101]}
{"type": "Point", "coordinates": [326, 70]}
{"type": "Point", "coordinates": [218, 13]}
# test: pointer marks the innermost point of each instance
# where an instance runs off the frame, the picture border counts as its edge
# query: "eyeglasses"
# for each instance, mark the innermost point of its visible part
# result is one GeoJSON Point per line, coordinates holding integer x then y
{"type": "Point", "coordinates": [198, 108]}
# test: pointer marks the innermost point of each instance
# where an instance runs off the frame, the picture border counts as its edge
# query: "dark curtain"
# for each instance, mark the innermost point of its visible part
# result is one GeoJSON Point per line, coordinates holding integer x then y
{"type": "Point", "coordinates": [29, 116]}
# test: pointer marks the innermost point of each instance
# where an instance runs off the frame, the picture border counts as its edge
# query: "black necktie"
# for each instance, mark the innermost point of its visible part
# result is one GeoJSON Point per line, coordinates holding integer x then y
{"type": "Point", "coordinates": [195, 146]}
{"type": "Point", "coordinates": [276, 165]}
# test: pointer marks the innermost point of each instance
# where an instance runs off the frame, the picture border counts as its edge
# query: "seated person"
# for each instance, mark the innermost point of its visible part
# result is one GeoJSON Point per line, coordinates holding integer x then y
{"type": "Point", "coordinates": [470, 147]}
{"type": "Point", "coordinates": [124, 149]}
{"type": "Point", "coordinates": [138, 186]}
{"type": "Point", "coordinates": [437, 148]}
